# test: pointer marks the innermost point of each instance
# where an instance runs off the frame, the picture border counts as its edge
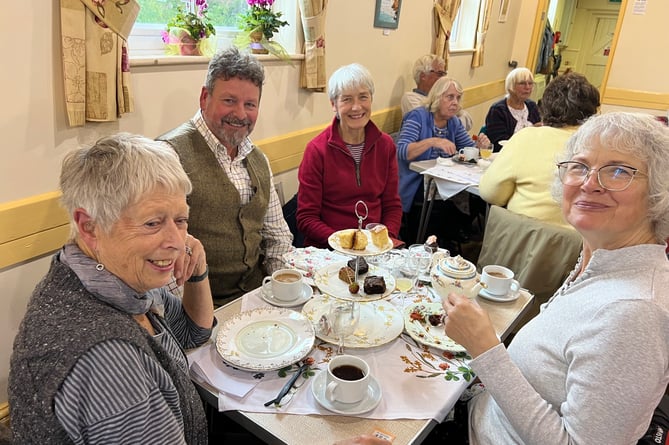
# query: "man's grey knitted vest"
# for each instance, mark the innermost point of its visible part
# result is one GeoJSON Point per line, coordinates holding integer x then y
{"type": "Point", "coordinates": [229, 231]}
{"type": "Point", "coordinates": [64, 320]}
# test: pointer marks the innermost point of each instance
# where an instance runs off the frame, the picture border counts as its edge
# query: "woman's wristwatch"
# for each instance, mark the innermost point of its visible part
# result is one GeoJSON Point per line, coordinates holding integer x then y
{"type": "Point", "coordinates": [198, 278]}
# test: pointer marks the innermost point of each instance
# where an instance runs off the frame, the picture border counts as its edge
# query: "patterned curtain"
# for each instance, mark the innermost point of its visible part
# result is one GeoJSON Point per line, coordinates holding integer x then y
{"type": "Point", "coordinates": [96, 69]}
{"type": "Point", "coordinates": [444, 16]}
{"type": "Point", "coordinates": [312, 72]}
{"type": "Point", "coordinates": [485, 10]}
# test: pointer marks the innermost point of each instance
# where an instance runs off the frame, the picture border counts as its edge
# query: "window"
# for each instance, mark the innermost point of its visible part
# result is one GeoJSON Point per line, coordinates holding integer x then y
{"type": "Point", "coordinates": [463, 33]}
{"type": "Point", "coordinates": [145, 38]}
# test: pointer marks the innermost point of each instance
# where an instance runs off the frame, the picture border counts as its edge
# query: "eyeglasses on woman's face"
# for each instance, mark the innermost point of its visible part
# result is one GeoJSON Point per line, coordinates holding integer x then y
{"type": "Point", "coordinates": [614, 177]}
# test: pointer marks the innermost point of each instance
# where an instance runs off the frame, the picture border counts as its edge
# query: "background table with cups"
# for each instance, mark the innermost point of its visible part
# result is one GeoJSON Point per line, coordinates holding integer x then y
{"type": "Point", "coordinates": [414, 385]}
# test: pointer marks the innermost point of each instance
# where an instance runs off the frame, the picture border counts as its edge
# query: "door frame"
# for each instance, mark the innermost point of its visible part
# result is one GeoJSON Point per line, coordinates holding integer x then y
{"type": "Point", "coordinates": [538, 29]}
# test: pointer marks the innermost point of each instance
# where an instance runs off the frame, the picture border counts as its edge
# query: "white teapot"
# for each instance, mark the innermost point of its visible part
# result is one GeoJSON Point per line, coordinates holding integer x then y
{"type": "Point", "coordinates": [454, 274]}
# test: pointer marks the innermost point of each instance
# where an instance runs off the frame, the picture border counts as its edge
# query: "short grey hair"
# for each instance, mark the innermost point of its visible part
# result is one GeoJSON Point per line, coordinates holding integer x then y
{"type": "Point", "coordinates": [347, 77]}
{"type": "Point", "coordinates": [438, 90]}
{"type": "Point", "coordinates": [516, 75]}
{"type": "Point", "coordinates": [425, 64]}
{"type": "Point", "coordinates": [230, 63]}
{"type": "Point", "coordinates": [638, 134]}
{"type": "Point", "coordinates": [117, 171]}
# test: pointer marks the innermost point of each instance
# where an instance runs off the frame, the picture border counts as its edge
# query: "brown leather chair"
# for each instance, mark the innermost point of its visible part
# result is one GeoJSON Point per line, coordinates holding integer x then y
{"type": "Point", "coordinates": [541, 254]}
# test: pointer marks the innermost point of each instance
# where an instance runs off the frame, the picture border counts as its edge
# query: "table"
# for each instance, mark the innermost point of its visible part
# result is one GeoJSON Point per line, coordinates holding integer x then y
{"type": "Point", "coordinates": [432, 186]}
{"type": "Point", "coordinates": [275, 428]}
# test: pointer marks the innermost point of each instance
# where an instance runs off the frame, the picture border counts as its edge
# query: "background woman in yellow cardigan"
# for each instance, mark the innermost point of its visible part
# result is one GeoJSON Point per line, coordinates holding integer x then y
{"type": "Point", "coordinates": [521, 175]}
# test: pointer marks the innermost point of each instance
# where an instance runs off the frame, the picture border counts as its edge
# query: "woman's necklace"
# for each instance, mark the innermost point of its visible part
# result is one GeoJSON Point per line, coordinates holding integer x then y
{"type": "Point", "coordinates": [440, 132]}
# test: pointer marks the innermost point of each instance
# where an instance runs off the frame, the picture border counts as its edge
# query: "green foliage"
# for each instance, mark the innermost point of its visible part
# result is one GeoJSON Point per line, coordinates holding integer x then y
{"type": "Point", "coordinates": [263, 19]}
{"type": "Point", "coordinates": [223, 13]}
{"type": "Point", "coordinates": [198, 26]}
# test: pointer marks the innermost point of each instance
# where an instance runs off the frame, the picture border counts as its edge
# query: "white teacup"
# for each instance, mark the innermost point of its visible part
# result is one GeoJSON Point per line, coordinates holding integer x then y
{"type": "Point", "coordinates": [284, 285]}
{"type": "Point", "coordinates": [469, 153]}
{"type": "Point", "coordinates": [347, 379]}
{"type": "Point", "coordinates": [498, 280]}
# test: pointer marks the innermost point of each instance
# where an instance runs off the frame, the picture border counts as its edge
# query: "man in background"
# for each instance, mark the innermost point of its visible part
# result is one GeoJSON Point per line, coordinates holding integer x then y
{"type": "Point", "coordinates": [426, 71]}
{"type": "Point", "coordinates": [234, 209]}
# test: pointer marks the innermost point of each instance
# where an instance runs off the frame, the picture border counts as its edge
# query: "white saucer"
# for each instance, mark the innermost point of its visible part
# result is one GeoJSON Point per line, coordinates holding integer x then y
{"type": "Point", "coordinates": [370, 402]}
{"type": "Point", "coordinates": [500, 298]}
{"type": "Point", "coordinates": [307, 293]}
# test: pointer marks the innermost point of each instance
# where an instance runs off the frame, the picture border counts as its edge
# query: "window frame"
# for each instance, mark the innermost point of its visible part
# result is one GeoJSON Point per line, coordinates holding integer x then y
{"type": "Point", "coordinates": [463, 33]}
{"type": "Point", "coordinates": [145, 39]}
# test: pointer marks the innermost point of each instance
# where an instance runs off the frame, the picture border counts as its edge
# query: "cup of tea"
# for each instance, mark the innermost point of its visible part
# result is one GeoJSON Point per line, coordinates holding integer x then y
{"type": "Point", "coordinates": [498, 280]}
{"type": "Point", "coordinates": [469, 153]}
{"type": "Point", "coordinates": [284, 285]}
{"type": "Point", "coordinates": [347, 379]}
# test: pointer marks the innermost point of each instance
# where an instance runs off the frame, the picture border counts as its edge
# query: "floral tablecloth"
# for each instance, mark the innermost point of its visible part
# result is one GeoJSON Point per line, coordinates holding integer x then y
{"type": "Point", "coordinates": [417, 382]}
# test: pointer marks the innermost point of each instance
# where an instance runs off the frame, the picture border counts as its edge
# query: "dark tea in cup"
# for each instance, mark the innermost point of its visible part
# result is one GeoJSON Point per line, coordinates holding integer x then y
{"type": "Point", "coordinates": [348, 372]}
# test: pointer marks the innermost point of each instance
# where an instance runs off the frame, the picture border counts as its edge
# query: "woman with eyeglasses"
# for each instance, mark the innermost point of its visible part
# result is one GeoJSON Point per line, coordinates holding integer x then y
{"type": "Point", "coordinates": [520, 177]}
{"type": "Point", "coordinates": [516, 111]}
{"type": "Point", "coordinates": [593, 365]}
{"type": "Point", "coordinates": [429, 132]}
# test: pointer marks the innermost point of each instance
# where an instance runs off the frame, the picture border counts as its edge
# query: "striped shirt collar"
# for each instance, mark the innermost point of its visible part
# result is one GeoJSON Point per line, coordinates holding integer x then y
{"type": "Point", "coordinates": [215, 145]}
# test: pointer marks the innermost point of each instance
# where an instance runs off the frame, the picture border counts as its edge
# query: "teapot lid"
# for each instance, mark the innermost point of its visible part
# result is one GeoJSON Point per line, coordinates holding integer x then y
{"type": "Point", "coordinates": [457, 267]}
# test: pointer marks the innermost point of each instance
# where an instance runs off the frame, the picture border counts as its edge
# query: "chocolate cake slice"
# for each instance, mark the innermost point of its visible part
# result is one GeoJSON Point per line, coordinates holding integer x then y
{"type": "Point", "coordinates": [374, 284]}
{"type": "Point", "coordinates": [363, 267]}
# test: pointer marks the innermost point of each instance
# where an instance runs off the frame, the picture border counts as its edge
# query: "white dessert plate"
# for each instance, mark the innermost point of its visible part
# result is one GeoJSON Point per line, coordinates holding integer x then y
{"type": "Point", "coordinates": [327, 280]}
{"type": "Point", "coordinates": [423, 332]}
{"type": "Point", "coordinates": [380, 322]}
{"type": "Point", "coordinates": [368, 403]}
{"type": "Point", "coordinates": [265, 339]}
{"type": "Point", "coordinates": [371, 249]}
{"type": "Point", "coordinates": [510, 296]}
{"type": "Point", "coordinates": [266, 294]}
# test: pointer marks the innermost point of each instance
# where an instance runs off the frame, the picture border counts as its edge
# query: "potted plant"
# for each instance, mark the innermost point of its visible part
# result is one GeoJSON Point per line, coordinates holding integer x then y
{"type": "Point", "coordinates": [259, 24]}
{"type": "Point", "coordinates": [189, 30]}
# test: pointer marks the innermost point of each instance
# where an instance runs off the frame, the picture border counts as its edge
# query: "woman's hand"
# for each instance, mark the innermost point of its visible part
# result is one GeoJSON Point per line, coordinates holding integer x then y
{"type": "Point", "coordinates": [446, 146]}
{"type": "Point", "coordinates": [364, 439]}
{"type": "Point", "coordinates": [468, 324]}
{"type": "Point", "coordinates": [482, 140]}
{"type": "Point", "coordinates": [193, 261]}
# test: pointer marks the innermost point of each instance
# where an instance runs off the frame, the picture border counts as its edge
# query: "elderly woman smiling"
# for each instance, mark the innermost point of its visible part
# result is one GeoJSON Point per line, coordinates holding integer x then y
{"type": "Point", "coordinates": [98, 357]}
{"type": "Point", "coordinates": [592, 366]}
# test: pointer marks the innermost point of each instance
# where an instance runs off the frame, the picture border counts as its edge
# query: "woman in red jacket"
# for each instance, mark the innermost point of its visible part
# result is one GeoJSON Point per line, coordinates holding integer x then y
{"type": "Point", "coordinates": [350, 161]}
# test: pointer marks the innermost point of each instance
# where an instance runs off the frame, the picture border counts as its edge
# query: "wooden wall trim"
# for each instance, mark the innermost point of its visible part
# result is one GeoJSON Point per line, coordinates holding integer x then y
{"type": "Point", "coordinates": [4, 413]}
{"type": "Point", "coordinates": [36, 226]}
{"type": "Point", "coordinates": [636, 99]}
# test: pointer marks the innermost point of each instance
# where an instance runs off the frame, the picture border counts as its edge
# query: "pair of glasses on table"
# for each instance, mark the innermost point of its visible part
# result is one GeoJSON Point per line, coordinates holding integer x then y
{"type": "Point", "coordinates": [615, 177]}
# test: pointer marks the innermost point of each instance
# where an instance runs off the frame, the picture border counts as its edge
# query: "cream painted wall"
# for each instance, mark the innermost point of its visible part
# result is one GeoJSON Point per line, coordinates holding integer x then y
{"type": "Point", "coordinates": [35, 135]}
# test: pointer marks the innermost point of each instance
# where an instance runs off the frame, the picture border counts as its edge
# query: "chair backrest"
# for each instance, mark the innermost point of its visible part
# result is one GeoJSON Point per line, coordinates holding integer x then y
{"type": "Point", "coordinates": [541, 254]}
{"type": "Point", "coordinates": [290, 215]}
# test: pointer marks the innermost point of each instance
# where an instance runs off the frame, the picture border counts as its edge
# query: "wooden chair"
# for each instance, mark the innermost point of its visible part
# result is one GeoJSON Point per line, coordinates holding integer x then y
{"type": "Point", "coordinates": [541, 254]}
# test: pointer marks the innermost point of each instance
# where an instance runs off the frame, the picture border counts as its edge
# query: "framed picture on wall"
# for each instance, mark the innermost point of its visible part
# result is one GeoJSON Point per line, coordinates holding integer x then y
{"type": "Point", "coordinates": [387, 13]}
{"type": "Point", "coordinates": [503, 10]}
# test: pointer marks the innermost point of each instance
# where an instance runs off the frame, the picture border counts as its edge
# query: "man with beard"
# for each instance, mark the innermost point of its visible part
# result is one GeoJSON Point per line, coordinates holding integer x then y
{"type": "Point", "coordinates": [234, 209]}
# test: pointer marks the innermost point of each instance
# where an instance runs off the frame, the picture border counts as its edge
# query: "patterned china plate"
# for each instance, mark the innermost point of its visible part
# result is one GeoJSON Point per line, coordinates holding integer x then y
{"type": "Point", "coordinates": [370, 250]}
{"type": "Point", "coordinates": [380, 322]}
{"type": "Point", "coordinates": [265, 339]}
{"type": "Point", "coordinates": [423, 332]}
{"type": "Point", "coordinates": [327, 280]}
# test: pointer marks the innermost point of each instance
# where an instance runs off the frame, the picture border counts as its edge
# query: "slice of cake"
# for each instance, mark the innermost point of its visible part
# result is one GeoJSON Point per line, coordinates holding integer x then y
{"type": "Point", "coordinates": [346, 238]}
{"type": "Point", "coordinates": [379, 236]}
{"type": "Point", "coordinates": [363, 267]}
{"type": "Point", "coordinates": [374, 284]}
{"type": "Point", "coordinates": [359, 240]}
{"type": "Point", "coordinates": [347, 275]}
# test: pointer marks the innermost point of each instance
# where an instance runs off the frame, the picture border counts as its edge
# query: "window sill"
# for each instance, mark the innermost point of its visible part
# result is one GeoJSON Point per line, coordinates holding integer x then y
{"type": "Point", "coordinates": [165, 60]}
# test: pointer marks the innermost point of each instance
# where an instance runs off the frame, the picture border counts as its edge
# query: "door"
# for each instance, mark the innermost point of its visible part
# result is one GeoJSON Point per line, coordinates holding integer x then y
{"type": "Point", "coordinates": [597, 46]}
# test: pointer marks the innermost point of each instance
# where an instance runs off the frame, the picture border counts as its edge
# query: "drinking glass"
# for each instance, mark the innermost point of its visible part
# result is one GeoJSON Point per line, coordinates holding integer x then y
{"type": "Point", "coordinates": [420, 258]}
{"type": "Point", "coordinates": [344, 318]}
{"type": "Point", "coordinates": [486, 151]}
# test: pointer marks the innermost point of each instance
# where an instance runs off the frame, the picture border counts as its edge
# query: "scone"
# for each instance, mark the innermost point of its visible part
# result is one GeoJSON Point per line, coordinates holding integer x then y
{"type": "Point", "coordinates": [359, 240]}
{"type": "Point", "coordinates": [346, 238]}
{"type": "Point", "coordinates": [379, 236]}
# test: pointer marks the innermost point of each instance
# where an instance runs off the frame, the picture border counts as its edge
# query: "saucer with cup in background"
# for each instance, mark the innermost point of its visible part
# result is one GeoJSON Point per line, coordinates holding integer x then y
{"type": "Point", "coordinates": [285, 288]}
{"type": "Point", "coordinates": [346, 386]}
{"type": "Point", "coordinates": [498, 284]}
{"type": "Point", "coordinates": [469, 153]}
